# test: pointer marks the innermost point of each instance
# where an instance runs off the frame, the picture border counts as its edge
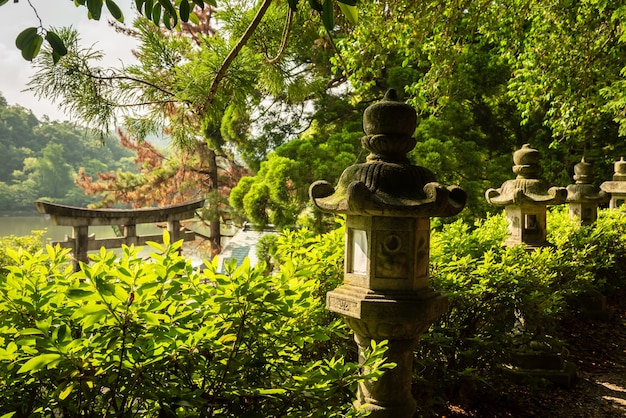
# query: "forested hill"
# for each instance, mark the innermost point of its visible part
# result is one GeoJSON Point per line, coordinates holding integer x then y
{"type": "Point", "coordinates": [41, 158]}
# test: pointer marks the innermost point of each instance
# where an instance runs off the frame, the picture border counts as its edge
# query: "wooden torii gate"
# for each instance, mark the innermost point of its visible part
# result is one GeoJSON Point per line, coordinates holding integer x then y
{"type": "Point", "coordinates": [80, 219]}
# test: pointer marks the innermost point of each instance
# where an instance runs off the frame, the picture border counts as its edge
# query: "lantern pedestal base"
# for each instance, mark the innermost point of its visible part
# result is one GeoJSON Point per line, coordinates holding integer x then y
{"type": "Point", "coordinates": [395, 316]}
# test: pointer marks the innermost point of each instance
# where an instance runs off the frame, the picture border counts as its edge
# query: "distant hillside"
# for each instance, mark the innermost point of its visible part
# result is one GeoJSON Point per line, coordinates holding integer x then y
{"type": "Point", "coordinates": [40, 159]}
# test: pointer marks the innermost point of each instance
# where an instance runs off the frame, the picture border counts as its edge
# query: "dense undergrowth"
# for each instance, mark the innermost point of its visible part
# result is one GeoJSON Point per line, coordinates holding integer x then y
{"type": "Point", "coordinates": [131, 337]}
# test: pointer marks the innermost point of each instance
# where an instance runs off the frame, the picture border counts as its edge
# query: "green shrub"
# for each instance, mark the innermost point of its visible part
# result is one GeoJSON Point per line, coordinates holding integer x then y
{"type": "Point", "coordinates": [127, 337]}
{"type": "Point", "coordinates": [29, 243]}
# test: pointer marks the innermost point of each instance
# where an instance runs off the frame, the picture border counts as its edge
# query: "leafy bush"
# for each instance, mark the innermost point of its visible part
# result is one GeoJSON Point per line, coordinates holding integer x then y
{"type": "Point", "coordinates": [161, 339]}
{"type": "Point", "coordinates": [30, 243]}
{"type": "Point", "coordinates": [128, 337]}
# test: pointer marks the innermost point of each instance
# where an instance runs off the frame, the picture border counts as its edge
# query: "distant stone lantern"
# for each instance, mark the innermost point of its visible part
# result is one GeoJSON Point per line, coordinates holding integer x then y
{"type": "Point", "coordinates": [525, 200]}
{"type": "Point", "coordinates": [617, 187]}
{"type": "Point", "coordinates": [583, 197]}
{"type": "Point", "coordinates": [388, 204]}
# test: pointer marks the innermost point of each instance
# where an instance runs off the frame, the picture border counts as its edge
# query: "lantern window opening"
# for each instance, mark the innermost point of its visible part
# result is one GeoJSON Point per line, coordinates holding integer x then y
{"type": "Point", "coordinates": [358, 251]}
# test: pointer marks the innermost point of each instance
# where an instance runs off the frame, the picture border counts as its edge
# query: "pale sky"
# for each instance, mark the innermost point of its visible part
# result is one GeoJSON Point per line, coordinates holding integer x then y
{"type": "Point", "coordinates": [15, 71]}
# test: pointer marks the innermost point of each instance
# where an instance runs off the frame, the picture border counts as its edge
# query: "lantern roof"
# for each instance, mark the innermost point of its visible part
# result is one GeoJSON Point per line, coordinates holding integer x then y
{"type": "Point", "coordinates": [387, 184]}
{"type": "Point", "coordinates": [527, 189]}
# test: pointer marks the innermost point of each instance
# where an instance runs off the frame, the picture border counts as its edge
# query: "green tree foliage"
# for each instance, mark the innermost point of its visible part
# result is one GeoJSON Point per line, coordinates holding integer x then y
{"type": "Point", "coordinates": [126, 337]}
{"type": "Point", "coordinates": [489, 77]}
{"type": "Point", "coordinates": [41, 159]}
{"type": "Point", "coordinates": [278, 193]}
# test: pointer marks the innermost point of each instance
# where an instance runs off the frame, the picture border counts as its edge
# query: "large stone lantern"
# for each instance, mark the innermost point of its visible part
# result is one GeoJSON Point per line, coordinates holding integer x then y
{"type": "Point", "coordinates": [583, 197]}
{"type": "Point", "coordinates": [617, 187]}
{"type": "Point", "coordinates": [525, 200]}
{"type": "Point", "coordinates": [388, 204]}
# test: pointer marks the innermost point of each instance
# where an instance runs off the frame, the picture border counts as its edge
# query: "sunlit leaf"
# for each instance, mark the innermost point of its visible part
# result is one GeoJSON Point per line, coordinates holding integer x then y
{"type": "Point", "coordinates": [39, 362]}
{"type": "Point", "coordinates": [350, 12]}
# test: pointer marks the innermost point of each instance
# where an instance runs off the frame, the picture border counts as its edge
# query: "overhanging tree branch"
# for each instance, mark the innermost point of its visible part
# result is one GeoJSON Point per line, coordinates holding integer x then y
{"type": "Point", "coordinates": [221, 72]}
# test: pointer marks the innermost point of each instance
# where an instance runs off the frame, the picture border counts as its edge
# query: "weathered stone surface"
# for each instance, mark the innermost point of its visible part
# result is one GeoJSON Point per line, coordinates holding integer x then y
{"type": "Point", "coordinates": [387, 184]}
{"type": "Point", "coordinates": [525, 200]}
{"type": "Point", "coordinates": [617, 187]}
{"type": "Point", "coordinates": [583, 197]}
{"type": "Point", "coordinates": [527, 189]}
{"type": "Point", "coordinates": [385, 295]}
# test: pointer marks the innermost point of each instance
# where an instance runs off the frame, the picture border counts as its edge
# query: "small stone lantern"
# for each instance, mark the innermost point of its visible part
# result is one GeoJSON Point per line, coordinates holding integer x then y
{"type": "Point", "coordinates": [525, 200]}
{"type": "Point", "coordinates": [617, 187]}
{"type": "Point", "coordinates": [386, 295]}
{"type": "Point", "coordinates": [582, 196]}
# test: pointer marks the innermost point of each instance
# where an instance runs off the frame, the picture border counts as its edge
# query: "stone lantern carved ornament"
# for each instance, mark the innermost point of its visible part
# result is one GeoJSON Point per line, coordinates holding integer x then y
{"type": "Point", "coordinates": [388, 203]}
{"type": "Point", "coordinates": [617, 187]}
{"type": "Point", "coordinates": [583, 197]}
{"type": "Point", "coordinates": [525, 199]}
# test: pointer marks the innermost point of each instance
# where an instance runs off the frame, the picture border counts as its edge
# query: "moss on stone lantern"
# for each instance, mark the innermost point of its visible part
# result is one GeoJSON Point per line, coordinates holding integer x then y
{"type": "Point", "coordinates": [525, 199]}
{"type": "Point", "coordinates": [583, 197]}
{"type": "Point", "coordinates": [388, 203]}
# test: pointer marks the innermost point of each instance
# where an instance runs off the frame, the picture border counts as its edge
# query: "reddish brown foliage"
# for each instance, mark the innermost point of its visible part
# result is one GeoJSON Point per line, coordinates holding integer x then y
{"type": "Point", "coordinates": [164, 179]}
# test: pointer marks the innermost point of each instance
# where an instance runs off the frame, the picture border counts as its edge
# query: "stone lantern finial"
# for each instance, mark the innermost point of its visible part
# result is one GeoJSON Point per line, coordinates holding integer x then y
{"type": "Point", "coordinates": [525, 199]}
{"type": "Point", "coordinates": [583, 197]}
{"type": "Point", "coordinates": [388, 203]}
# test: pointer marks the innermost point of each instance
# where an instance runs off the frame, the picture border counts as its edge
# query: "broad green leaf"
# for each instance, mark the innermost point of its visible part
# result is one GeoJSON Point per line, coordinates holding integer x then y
{"type": "Point", "coordinates": [55, 57]}
{"type": "Point", "coordinates": [327, 15]}
{"type": "Point", "coordinates": [56, 43]}
{"type": "Point", "coordinates": [95, 9]}
{"type": "Point", "coordinates": [350, 12]}
{"type": "Point", "coordinates": [31, 331]}
{"type": "Point", "coordinates": [149, 8]}
{"type": "Point", "coordinates": [79, 294]}
{"type": "Point", "coordinates": [169, 8]}
{"type": "Point", "coordinates": [21, 41]}
{"type": "Point", "coordinates": [39, 362]}
{"type": "Point", "coordinates": [1, 3]}
{"type": "Point", "coordinates": [10, 414]}
{"type": "Point", "coordinates": [200, 3]}
{"type": "Point", "coordinates": [115, 10]}
{"type": "Point", "coordinates": [184, 10]}
{"type": "Point", "coordinates": [90, 309]}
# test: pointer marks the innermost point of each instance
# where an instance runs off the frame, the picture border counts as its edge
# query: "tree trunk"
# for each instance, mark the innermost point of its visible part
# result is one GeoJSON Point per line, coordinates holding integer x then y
{"type": "Point", "coordinates": [215, 235]}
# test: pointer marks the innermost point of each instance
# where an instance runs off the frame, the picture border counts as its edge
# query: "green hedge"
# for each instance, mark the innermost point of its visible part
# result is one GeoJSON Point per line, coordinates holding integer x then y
{"type": "Point", "coordinates": [126, 337]}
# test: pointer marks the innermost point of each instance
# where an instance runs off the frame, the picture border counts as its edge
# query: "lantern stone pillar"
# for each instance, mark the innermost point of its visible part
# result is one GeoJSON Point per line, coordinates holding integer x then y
{"type": "Point", "coordinates": [583, 197]}
{"type": "Point", "coordinates": [617, 187]}
{"type": "Point", "coordinates": [386, 295]}
{"type": "Point", "coordinates": [525, 200]}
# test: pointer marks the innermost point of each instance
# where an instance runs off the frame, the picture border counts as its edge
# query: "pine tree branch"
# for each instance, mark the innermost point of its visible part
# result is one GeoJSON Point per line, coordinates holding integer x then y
{"type": "Point", "coordinates": [221, 72]}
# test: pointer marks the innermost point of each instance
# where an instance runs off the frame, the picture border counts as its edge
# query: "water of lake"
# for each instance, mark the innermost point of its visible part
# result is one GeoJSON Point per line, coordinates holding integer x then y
{"type": "Point", "coordinates": [23, 225]}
